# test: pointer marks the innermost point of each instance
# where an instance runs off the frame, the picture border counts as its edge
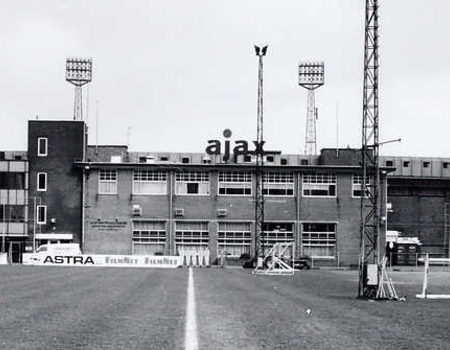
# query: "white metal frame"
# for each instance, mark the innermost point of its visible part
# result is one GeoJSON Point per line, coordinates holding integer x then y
{"type": "Point", "coordinates": [273, 261]}
{"type": "Point", "coordinates": [425, 294]}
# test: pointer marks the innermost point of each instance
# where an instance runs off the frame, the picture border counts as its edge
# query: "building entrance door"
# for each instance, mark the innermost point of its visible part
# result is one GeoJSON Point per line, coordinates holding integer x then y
{"type": "Point", "coordinates": [15, 252]}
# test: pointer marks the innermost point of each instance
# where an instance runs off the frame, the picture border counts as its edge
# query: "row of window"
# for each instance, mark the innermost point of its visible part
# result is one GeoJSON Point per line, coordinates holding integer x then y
{"type": "Point", "coordinates": [234, 238]}
{"type": "Point", "coordinates": [425, 164]}
{"type": "Point", "coordinates": [231, 183]}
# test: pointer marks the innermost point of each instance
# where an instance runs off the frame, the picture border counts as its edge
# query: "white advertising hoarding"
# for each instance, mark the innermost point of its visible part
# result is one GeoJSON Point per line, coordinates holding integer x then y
{"type": "Point", "coordinates": [103, 260]}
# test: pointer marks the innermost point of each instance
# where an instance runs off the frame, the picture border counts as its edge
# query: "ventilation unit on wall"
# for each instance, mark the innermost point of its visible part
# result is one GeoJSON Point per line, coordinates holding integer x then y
{"type": "Point", "coordinates": [221, 212]}
{"type": "Point", "coordinates": [178, 212]}
{"type": "Point", "coordinates": [137, 210]}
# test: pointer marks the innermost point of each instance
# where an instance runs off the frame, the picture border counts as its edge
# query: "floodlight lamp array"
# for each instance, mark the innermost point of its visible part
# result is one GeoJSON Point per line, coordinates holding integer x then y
{"type": "Point", "coordinates": [311, 74]}
{"type": "Point", "coordinates": [79, 70]}
{"type": "Point", "coordinates": [260, 51]}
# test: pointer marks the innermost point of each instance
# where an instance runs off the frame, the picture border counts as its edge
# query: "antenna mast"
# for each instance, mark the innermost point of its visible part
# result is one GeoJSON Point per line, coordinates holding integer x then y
{"type": "Point", "coordinates": [370, 260]}
{"type": "Point", "coordinates": [259, 174]}
{"type": "Point", "coordinates": [311, 76]}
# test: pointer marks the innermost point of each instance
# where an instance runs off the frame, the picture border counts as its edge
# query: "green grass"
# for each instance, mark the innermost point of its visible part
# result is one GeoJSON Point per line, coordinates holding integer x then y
{"type": "Point", "coordinates": [124, 308]}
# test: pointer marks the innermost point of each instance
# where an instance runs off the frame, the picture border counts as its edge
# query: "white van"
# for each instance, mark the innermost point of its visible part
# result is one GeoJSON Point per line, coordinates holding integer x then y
{"type": "Point", "coordinates": [63, 249]}
{"type": "Point", "coordinates": [59, 249]}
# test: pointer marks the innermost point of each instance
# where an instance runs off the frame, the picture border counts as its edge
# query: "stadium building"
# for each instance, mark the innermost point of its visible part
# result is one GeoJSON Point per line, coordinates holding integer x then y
{"type": "Point", "coordinates": [113, 201]}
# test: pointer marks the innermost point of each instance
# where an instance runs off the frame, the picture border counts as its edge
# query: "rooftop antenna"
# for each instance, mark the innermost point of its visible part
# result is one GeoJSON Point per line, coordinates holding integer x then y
{"type": "Point", "coordinates": [78, 73]}
{"type": "Point", "coordinates": [97, 112]}
{"type": "Point", "coordinates": [311, 76]}
{"type": "Point", "coordinates": [128, 136]}
{"type": "Point", "coordinates": [337, 129]}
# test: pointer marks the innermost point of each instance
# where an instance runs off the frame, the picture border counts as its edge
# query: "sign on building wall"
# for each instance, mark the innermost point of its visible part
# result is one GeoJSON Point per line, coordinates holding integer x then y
{"type": "Point", "coordinates": [108, 225]}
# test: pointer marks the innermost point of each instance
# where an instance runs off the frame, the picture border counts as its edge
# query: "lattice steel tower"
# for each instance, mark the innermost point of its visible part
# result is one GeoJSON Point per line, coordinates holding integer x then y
{"type": "Point", "coordinates": [78, 73]}
{"type": "Point", "coordinates": [311, 76]}
{"type": "Point", "coordinates": [259, 171]}
{"type": "Point", "coordinates": [370, 249]}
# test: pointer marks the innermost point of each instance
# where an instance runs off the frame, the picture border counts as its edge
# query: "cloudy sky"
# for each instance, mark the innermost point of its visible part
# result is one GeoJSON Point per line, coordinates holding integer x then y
{"type": "Point", "coordinates": [176, 73]}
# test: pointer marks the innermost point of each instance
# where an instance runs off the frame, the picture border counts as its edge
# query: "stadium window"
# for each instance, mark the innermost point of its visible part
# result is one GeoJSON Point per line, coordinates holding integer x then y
{"type": "Point", "coordinates": [283, 161]}
{"type": "Point", "coordinates": [278, 184]}
{"type": "Point", "coordinates": [12, 181]}
{"type": "Point", "coordinates": [42, 147]}
{"type": "Point", "coordinates": [234, 238]}
{"type": "Point", "coordinates": [247, 159]}
{"type": "Point", "coordinates": [192, 183]}
{"type": "Point", "coordinates": [191, 235]}
{"type": "Point", "coordinates": [149, 237]}
{"type": "Point", "coordinates": [107, 183]}
{"type": "Point", "coordinates": [185, 160]}
{"type": "Point", "coordinates": [319, 185]}
{"type": "Point", "coordinates": [446, 165]}
{"type": "Point", "coordinates": [41, 214]}
{"type": "Point", "coordinates": [276, 232]}
{"type": "Point", "coordinates": [426, 164]}
{"type": "Point", "coordinates": [42, 181]}
{"type": "Point", "coordinates": [406, 164]}
{"type": "Point", "coordinates": [270, 159]}
{"type": "Point", "coordinates": [163, 158]}
{"type": "Point", "coordinates": [149, 182]}
{"type": "Point", "coordinates": [319, 239]}
{"type": "Point", "coordinates": [304, 162]}
{"type": "Point", "coordinates": [12, 213]}
{"type": "Point", "coordinates": [357, 183]}
{"type": "Point", "coordinates": [235, 183]}
{"type": "Point", "coordinates": [389, 163]}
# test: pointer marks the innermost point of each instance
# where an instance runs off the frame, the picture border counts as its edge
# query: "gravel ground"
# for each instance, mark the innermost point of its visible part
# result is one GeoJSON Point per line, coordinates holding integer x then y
{"type": "Point", "coordinates": [107, 308]}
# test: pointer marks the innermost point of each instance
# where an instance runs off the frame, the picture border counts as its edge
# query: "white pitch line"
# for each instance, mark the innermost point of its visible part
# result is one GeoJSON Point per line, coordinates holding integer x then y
{"type": "Point", "coordinates": [190, 339]}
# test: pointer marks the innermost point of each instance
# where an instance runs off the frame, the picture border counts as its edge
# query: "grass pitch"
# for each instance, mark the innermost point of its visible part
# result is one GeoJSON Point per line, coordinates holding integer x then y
{"type": "Point", "coordinates": [123, 308]}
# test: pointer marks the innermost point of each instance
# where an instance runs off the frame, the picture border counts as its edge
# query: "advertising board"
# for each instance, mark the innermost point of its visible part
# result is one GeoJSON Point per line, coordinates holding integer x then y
{"type": "Point", "coordinates": [103, 260]}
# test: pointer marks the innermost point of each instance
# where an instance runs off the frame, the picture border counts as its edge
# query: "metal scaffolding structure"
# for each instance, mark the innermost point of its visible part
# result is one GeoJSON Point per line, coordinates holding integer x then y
{"type": "Point", "coordinates": [259, 171]}
{"type": "Point", "coordinates": [370, 250]}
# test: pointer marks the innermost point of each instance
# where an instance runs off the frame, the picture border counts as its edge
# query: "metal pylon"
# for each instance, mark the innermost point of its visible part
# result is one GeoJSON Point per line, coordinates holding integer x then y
{"type": "Point", "coordinates": [370, 249]}
{"type": "Point", "coordinates": [78, 103]}
{"type": "Point", "coordinates": [310, 139]}
{"type": "Point", "coordinates": [259, 170]}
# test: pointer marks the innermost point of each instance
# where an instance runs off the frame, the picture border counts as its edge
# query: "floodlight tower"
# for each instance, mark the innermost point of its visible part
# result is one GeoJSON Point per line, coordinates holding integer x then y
{"type": "Point", "coordinates": [370, 247]}
{"type": "Point", "coordinates": [311, 76]}
{"type": "Point", "coordinates": [78, 73]}
{"type": "Point", "coordinates": [259, 173]}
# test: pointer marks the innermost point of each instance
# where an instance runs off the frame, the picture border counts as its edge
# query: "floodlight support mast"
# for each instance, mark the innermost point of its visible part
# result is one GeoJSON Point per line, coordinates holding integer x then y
{"type": "Point", "coordinates": [259, 169]}
{"type": "Point", "coordinates": [370, 248]}
{"type": "Point", "coordinates": [311, 76]}
{"type": "Point", "coordinates": [78, 73]}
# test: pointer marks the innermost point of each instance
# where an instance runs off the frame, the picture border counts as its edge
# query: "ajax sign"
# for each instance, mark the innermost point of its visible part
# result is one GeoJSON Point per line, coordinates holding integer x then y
{"type": "Point", "coordinates": [240, 147]}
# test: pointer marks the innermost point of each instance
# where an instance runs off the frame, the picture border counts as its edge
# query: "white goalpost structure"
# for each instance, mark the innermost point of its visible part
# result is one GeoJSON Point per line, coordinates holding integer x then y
{"type": "Point", "coordinates": [273, 263]}
{"type": "Point", "coordinates": [425, 294]}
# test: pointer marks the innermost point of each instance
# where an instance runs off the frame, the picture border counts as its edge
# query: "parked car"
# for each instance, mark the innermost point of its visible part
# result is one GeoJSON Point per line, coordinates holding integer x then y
{"type": "Point", "coordinates": [298, 264]}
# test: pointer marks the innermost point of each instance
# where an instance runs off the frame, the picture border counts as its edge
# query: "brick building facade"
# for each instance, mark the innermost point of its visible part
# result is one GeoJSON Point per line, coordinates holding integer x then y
{"type": "Point", "coordinates": [111, 200]}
